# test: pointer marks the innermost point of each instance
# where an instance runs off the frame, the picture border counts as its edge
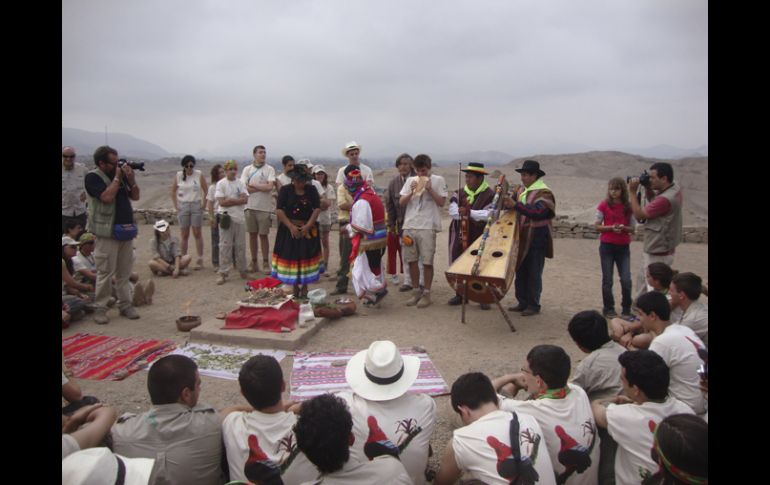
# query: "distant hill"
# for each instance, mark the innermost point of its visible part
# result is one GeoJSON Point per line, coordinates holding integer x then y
{"type": "Point", "coordinates": [85, 142]}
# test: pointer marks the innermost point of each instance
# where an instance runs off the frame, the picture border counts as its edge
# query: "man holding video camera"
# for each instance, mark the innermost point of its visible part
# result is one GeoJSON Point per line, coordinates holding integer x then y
{"type": "Point", "coordinates": [111, 187]}
{"type": "Point", "coordinates": [663, 214]}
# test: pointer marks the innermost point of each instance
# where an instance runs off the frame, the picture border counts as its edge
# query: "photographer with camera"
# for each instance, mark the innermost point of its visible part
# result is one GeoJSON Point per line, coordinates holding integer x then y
{"type": "Point", "coordinates": [663, 214]}
{"type": "Point", "coordinates": [111, 187]}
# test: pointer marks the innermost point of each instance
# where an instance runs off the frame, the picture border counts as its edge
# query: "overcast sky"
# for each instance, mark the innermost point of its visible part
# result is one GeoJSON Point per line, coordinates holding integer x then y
{"type": "Point", "coordinates": [437, 76]}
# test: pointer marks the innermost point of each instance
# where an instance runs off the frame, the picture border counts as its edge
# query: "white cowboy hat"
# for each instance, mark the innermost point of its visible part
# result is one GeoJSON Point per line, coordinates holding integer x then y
{"type": "Point", "coordinates": [161, 225]}
{"type": "Point", "coordinates": [97, 466]}
{"type": "Point", "coordinates": [350, 146]}
{"type": "Point", "coordinates": [381, 373]}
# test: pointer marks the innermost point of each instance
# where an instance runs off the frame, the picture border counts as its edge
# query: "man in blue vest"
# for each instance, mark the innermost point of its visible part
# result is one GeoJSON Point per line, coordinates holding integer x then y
{"type": "Point", "coordinates": [663, 214]}
{"type": "Point", "coordinates": [110, 189]}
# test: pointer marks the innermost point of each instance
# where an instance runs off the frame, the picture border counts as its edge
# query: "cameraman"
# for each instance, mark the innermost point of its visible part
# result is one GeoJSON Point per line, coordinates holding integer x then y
{"type": "Point", "coordinates": [111, 188]}
{"type": "Point", "coordinates": [663, 212]}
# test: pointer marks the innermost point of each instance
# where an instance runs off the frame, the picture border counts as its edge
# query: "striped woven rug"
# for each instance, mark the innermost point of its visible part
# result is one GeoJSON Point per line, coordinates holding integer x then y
{"type": "Point", "coordinates": [101, 357]}
{"type": "Point", "coordinates": [312, 374]}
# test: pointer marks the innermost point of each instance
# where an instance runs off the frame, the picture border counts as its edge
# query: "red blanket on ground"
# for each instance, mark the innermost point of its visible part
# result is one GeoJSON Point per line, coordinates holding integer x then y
{"type": "Point", "coordinates": [268, 319]}
{"type": "Point", "coordinates": [101, 357]}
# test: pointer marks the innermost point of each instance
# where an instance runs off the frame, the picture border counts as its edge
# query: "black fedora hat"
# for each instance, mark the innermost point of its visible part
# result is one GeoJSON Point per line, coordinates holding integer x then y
{"type": "Point", "coordinates": [531, 166]}
{"type": "Point", "coordinates": [475, 167]}
{"type": "Point", "coordinates": [299, 172]}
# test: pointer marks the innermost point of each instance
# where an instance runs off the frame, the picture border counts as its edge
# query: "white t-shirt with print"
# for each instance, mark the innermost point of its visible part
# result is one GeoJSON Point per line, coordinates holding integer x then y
{"type": "Point", "coordinates": [476, 457]}
{"type": "Point", "coordinates": [232, 190]}
{"type": "Point", "coordinates": [282, 179]}
{"type": "Point", "coordinates": [629, 425]}
{"type": "Point", "coordinates": [189, 190]}
{"type": "Point", "coordinates": [677, 347]}
{"type": "Point", "coordinates": [396, 417]}
{"type": "Point", "coordinates": [365, 171]}
{"type": "Point", "coordinates": [274, 436]}
{"type": "Point", "coordinates": [696, 317]}
{"type": "Point", "coordinates": [574, 415]}
{"type": "Point", "coordinates": [251, 175]}
{"type": "Point", "coordinates": [422, 212]}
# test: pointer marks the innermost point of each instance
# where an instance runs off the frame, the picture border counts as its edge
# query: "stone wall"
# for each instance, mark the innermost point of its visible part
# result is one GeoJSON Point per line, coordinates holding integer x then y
{"type": "Point", "coordinates": [563, 227]}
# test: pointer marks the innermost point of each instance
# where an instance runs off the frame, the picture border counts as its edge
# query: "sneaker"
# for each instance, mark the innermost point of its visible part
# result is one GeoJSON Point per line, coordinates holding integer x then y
{"type": "Point", "coordinates": [130, 313]}
{"type": "Point", "coordinates": [424, 300]}
{"type": "Point", "coordinates": [610, 313]}
{"type": "Point", "coordinates": [416, 296]}
{"type": "Point", "coordinates": [268, 267]}
{"type": "Point", "coordinates": [139, 298]}
{"type": "Point", "coordinates": [198, 264]}
{"type": "Point", "coordinates": [626, 314]}
{"type": "Point", "coordinates": [529, 312]}
{"type": "Point", "coordinates": [339, 291]}
{"type": "Point", "coordinates": [222, 278]}
{"type": "Point", "coordinates": [455, 300]}
{"type": "Point", "coordinates": [405, 288]}
{"type": "Point", "coordinates": [101, 318]}
{"type": "Point", "coordinates": [394, 279]}
{"type": "Point", "coordinates": [517, 308]}
{"type": "Point", "coordinates": [149, 290]}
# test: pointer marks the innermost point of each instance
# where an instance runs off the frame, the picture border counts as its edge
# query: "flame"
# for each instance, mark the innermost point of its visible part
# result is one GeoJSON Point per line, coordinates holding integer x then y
{"type": "Point", "coordinates": [187, 308]}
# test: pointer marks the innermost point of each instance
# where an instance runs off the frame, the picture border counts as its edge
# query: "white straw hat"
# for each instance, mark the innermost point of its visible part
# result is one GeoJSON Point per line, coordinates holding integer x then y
{"type": "Point", "coordinates": [381, 373]}
{"type": "Point", "coordinates": [350, 146]}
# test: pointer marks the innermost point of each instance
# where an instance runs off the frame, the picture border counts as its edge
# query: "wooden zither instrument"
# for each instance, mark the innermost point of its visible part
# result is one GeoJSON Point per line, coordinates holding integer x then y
{"type": "Point", "coordinates": [484, 272]}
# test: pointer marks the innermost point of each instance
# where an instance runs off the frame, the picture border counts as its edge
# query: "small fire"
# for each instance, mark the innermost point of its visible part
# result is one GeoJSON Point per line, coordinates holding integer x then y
{"type": "Point", "coordinates": [187, 307]}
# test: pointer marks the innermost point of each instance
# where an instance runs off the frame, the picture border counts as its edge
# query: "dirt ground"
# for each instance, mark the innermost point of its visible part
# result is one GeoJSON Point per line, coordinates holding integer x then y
{"type": "Point", "coordinates": [571, 283]}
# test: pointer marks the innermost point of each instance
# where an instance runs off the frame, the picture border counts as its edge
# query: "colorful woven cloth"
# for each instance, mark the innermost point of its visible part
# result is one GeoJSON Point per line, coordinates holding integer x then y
{"type": "Point", "coordinates": [101, 357]}
{"type": "Point", "coordinates": [313, 373]}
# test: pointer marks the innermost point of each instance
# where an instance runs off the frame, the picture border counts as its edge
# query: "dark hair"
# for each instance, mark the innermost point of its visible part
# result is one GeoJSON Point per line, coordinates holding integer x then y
{"type": "Point", "coordinates": [102, 153]}
{"type": "Point", "coordinates": [257, 148]}
{"type": "Point", "coordinates": [323, 432]}
{"type": "Point", "coordinates": [646, 370]}
{"type": "Point", "coordinates": [621, 183]}
{"type": "Point", "coordinates": [664, 169]}
{"type": "Point", "coordinates": [472, 389]}
{"type": "Point", "coordinates": [422, 161]}
{"type": "Point", "coordinates": [401, 157]}
{"type": "Point", "coordinates": [684, 440]}
{"type": "Point", "coordinates": [589, 329]}
{"type": "Point", "coordinates": [71, 224]}
{"type": "Point", "coordinates": [215, 173]}
{"type": "Point", "coordinates": [325, 180]}
{"type": "Point", "coordinates": [261, 379]}
{"type": "Point", "coordinates": [653, 301]}
{"type": "Point", "coordinates": [169, 376]}
{"type": "Point", "coordinates": [661, 272]}
{"type": "Point", "coordinates": [286, 159]}
{"type": "Point", "coordinates": [688, 283]}
{"type": "Point", "coordinates": [551, 363]}
{"type": "Point", "coordinates": [185, 160]}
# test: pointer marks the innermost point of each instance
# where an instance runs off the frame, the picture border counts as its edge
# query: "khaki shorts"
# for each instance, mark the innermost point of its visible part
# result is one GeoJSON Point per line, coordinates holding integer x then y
{"type": "Point", "coordinates": [424, 247]}
{"type": "Point", "coordinates": [257, 221]}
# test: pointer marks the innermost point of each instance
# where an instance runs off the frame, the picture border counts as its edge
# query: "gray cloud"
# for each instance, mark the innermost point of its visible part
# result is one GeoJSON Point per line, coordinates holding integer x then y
{"type": "Point", "coordinates": [309, 75]}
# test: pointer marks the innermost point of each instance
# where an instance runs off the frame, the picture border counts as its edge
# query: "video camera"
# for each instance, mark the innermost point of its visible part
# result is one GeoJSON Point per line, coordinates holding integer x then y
{"type": "Point", "coordinates": [134, 165]}
{"type": "Point", "coordinates": [644, 179]}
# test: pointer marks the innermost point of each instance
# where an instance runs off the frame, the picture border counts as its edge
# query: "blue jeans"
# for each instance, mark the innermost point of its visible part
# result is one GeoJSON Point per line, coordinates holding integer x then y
{"type": "Point", "coordinates": [614, 254]}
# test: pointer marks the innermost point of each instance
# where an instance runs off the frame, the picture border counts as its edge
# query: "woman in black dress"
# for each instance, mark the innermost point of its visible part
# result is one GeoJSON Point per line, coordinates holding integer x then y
{"type": "Point", "coordinates": [297, 256]}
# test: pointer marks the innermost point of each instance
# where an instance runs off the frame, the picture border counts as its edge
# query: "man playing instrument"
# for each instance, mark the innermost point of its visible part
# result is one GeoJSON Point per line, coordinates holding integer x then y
{"type": "Point", "coordinates": [469, 212]}
{"type": "Point", "coordinates": [535, 207]}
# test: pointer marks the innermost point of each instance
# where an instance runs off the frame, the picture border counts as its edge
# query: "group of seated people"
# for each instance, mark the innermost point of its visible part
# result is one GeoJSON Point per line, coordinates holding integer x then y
{"type": "Point", "coordinates": [78, 275]}
{"type": "Point", "coordinates": [626, 416]}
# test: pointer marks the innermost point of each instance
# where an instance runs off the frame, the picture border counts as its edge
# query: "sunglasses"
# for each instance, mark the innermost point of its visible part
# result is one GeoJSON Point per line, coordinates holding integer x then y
{"type": "Point", "coordinates": [189, 165]}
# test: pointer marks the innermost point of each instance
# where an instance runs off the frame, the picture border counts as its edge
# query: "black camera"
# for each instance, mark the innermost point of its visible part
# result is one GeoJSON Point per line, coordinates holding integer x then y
{"type": "Point", "coordinates": [134, 165]}
{"type": "Point", "coordinates": [644, 179]}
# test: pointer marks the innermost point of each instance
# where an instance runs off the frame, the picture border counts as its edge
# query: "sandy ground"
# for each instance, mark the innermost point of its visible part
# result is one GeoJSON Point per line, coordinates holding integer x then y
{"type": "Point", "coordinates": [571, 281]}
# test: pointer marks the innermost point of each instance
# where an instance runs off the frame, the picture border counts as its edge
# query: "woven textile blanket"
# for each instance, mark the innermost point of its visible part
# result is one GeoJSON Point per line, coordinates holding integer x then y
{"type": "Point", "coordinates": [223, 361]}
{"type": "Point", "coordinates": [101, 357]}
{"type": "Point", "coordinates": [313, 373]}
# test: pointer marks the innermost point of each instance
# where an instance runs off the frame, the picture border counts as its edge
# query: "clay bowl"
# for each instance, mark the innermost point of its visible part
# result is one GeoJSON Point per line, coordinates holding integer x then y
{"type": "Point", "coordinates": [187, 323]}
{"type": "Point", "coordinates": [346, 306]}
